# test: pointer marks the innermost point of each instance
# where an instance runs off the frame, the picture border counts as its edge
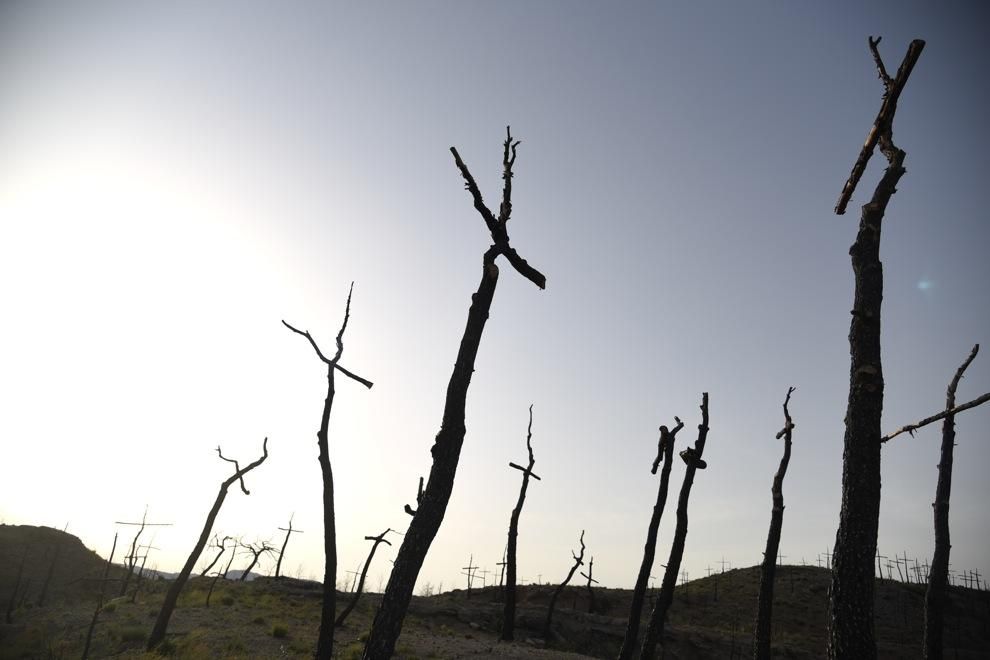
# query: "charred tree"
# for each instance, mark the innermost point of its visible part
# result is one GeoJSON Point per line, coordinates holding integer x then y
{"type": "Point", "coordinates": [218, 543]}
{"type": "Point", "coordinates": [324, 640]}
{"type": "Point", "coordinates": [935, 595]}
{"type": "Point", "coordinates": [256, 550]}
{"type": "Point", "coordinates": [764, 608]}
{"type": "Point", "coordinates": [850, 605]}
{"type": "Point", "coordinates": [509, 608]}
{"type": "Point", "coordinates": [172, 595]}
{"type": "Point", "coordinates": [578, 562]}
{"type": "Point", "coordinates": [446, 448]}
{"type": "Point", "coordinates": [377, 540]}
{"type": "Point", "coordinates": [665, 455]}
{"type": "Point", "coordinates": [99, 601]}
{"type": "Point", "coordinates": [692, 457]}
{"type": "Point", "coordinates": [591, 580]}
{"type": "Point", "coordinates": [288, 532]}
{"type": "Point", "coordinates": [233, 554]}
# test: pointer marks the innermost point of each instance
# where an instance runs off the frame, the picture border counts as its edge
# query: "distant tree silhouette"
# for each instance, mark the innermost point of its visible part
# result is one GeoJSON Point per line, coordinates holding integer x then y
{"type": "Point", "coordinates": [217, 543]}
{"type": "Point", "coordinates": [324, 640]}
{"type": "Point", "coordinates": [850, 605]}
{"type": "Point", "coordinates": [509, 607]}
{"type": "Point", "coordinates": [578, 562]}
{"type": "Point", "coordinates": [446, 449]}
{"type": "Point", "coordinates": [377, 540]}
{"type": "Point", "coordinates": [665, 454]}
{"type": "Point", "coordinates": [256, 550]}
{"type": "Point", "coordinates": [172, 595]}
{"type": "Point", "coordinates": [692, 457]}
{"type": "Point", "coordinates": [764, 603]}
{"type": "Point", "coordinates": [288, 532]}
{"type": "Point", "coordinates": [591, 580]}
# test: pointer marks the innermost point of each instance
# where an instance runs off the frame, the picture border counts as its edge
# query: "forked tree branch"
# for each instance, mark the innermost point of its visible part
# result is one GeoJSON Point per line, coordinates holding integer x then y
{"type": "Point", "coordinates": [882, 124]}
{"type": "Point", "coordinates": [353, 376]}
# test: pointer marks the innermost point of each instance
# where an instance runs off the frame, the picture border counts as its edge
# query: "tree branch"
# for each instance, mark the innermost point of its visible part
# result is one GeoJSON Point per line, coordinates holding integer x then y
{"type": "Point", "coordinates": [882, 124]}
{"type": "Point", "coordinates": [665, 437]}
{"type": "Point", "coordinates": [911, 428]}
{"type": "Point", "coordinates": [472, 187]}
{"type": "Point", "coordinates": [333, 363]}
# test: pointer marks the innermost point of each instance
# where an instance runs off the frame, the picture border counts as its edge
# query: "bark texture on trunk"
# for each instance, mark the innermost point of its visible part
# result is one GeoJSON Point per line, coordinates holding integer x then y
{"type": "Point", "coordinates": [764, 606]}
{"type": "Point", "coordinates": [938, 576]}
{"type": "Point", "coordinates": [665, 455]}
{"type": "Point", "coordinates": [509, 607]}
{"type": "Point", "coordinates": [446, 448]}
{"type": "Point", "coordinates": [172, 595]}
{"type": "Point", "coordinates": [692, 457]}
{"type": "Point", "coordinates": [850, 608]}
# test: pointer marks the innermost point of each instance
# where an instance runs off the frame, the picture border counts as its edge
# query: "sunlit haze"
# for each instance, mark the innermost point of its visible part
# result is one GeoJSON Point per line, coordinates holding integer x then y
{"type": "Point", "coordinates": [176, 179]}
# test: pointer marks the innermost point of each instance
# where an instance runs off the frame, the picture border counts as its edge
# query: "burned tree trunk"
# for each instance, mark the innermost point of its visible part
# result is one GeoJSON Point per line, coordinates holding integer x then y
{"type": "Point", "coordinates": [578, 561]}
{"type": "Point", "coordinates": [233, 555]}
{"type": "Point", "coordinates": [324, 640]}
{"type": "Point", "coordinates": [99, 601]}
{"type": "Point", "coordinates": [220, 543]}
{"type": "Point", "coordinates": [850, 606]}
{"type": "Point", "coordinates": [172, 596]}
{"type": "Point", "coordinates": [591, 592]}
{"type": "Point", "coordinates": [288, 532]}
{"type": "Point", "coordinates": [256, 550]}
{"type": "Point", "coordinates": [509, 608]}
{"type": "Point", "coordinates": [764, 608]}
{"type": "Point", "coordinates": [692, 457]}
{"type": "Point", "coordinates": [378, 540]}
{"type": "Point", "coordinates": [665, 454]}
{"type": "Point", "coordinates": [446, 448]}
{"type": "Point", "coordinates": [935, 595]}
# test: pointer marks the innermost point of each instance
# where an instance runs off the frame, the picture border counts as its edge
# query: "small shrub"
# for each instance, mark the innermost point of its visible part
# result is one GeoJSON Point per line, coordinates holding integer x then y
{"type": "Point", "coordinates": [260, 620]}
{"type": "Point", "coordinates": [167, 647]}
{"type": "Point", "coordinates": [352, 651]}
{"type": "Point", "coordinates": [280, 630]}
{"type": "Point", "coordinates": [108, 607]}
{"type": "Point", "coordinates": [227, 599]}
{"type": "Point", "coordinates": [132, 634]}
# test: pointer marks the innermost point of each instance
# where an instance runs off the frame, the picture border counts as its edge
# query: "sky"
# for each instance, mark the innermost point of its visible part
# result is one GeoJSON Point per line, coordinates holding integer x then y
{"type": "Point", "coordinates": [176, 179]}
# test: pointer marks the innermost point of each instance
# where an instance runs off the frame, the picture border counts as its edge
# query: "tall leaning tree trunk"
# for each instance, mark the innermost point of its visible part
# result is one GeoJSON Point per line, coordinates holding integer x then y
{"type": "Point", "coordinates": [172, 595]}
{"type": "Point", "coordinates": [665, 455]}
{"type": "Point", "coordinates": [939, 574]}
{"type": "Point", "coordinates": [509, 608]}
{"type": "Point", "coordinates": [850, 605]}
{"type": "Point", "coordinates": [324, 640]}
{"type": "Point", "coordinates": [764, 603]}
{"type": "Point", "coordinates": [446, 449]}
{"type": "Point", "coordinates": [692, 457]}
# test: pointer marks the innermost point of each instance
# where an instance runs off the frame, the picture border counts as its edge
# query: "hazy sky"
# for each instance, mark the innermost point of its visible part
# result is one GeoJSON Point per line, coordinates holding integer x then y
{"type": "Point", "coordinates": [175, 180]}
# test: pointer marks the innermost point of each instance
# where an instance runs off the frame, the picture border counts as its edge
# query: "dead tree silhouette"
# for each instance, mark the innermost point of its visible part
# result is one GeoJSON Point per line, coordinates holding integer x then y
{"type": "Point", "coordinates": [218, 543]}
{"type": "Point", "coordinates": [665, 455]}
{"type": "Point", "coordinates": [764, 608]}
{"type": "Point", "coordinates": [233, 555]}
{"type": "Point", "coordinates": [172, 595]}
{"type": "Point", "coordinates": [131, 558]}
{"type": "Point", "coordinates": [256, 550]}
{"type": "Point", "coordinates": [377, 540]}
{"type": "Point", "coordinates": [446, 448]}
{"type": "Point", "coordinates": [935, 593]}
{"type": "Point", "coordinates": [692, 457]}
{"type": "Point", "coordinates": [324, 641]}
{"type": "Point", "coordinates": [578, 562]}
{"type": "Point", "coordinates": [288, 532]}
{"type": "Point", "coordinates": [48, 575]}
{"type": "Point", "coordinates": [99, 601]}
{"type": "Point", "coordinates": [509, 607]}
{"type": "Point", "coordinates": [591, 592]}
{"type": "Point", "coordinates": [850, 603]}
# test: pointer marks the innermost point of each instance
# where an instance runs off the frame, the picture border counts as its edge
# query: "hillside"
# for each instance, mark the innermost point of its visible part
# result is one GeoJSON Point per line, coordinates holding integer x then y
{"type": "Point", "coordinates": [268, 618]}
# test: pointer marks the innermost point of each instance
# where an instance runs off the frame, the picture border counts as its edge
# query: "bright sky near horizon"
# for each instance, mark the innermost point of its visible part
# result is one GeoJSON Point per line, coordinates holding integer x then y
{"type": "Point", "coordinates": [176, 179]}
